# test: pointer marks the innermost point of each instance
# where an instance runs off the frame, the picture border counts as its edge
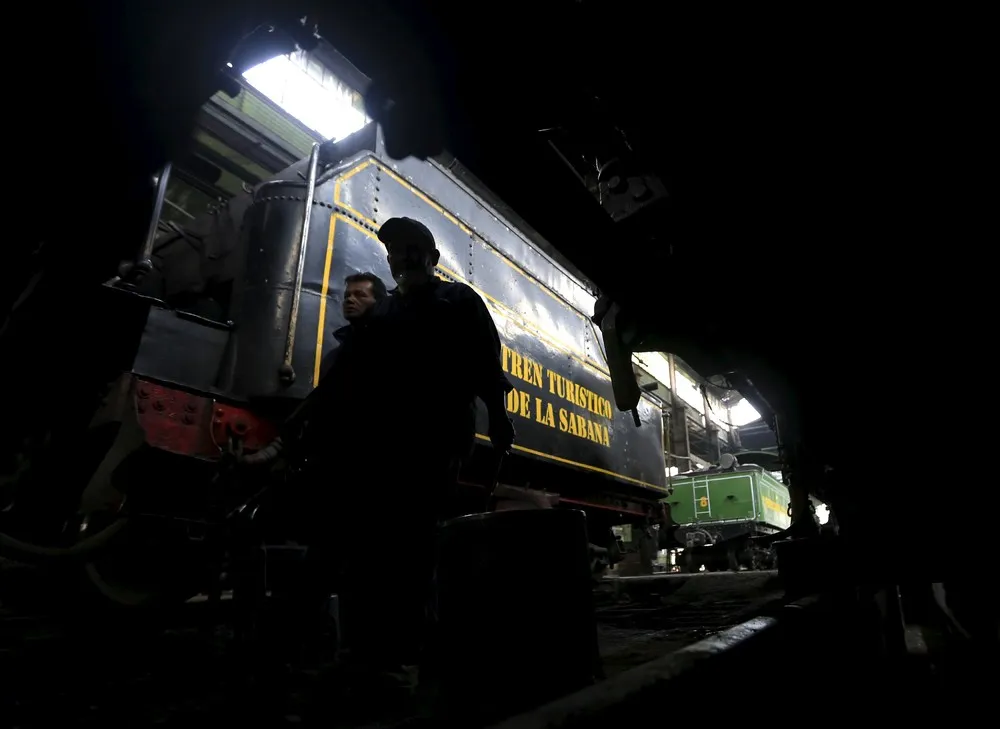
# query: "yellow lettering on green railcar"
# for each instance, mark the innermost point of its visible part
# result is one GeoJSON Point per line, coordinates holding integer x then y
{"type": "Point", "coordinates": [772, 505]}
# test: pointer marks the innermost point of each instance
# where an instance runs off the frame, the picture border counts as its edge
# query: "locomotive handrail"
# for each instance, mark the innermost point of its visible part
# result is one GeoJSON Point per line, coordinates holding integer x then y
{"type": "Point", "coordinates": [145, 255]}
{"type": "Point", "coordinates": [286, 373]}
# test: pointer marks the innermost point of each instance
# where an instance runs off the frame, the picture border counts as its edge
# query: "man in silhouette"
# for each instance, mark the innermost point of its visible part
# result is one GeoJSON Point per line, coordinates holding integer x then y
{"type": "Point", "coordinates": [427, 324]}
{"type": "Point", "coordinates": [430, 350]}
{"type": "Point", "coordinates": [389, 425]}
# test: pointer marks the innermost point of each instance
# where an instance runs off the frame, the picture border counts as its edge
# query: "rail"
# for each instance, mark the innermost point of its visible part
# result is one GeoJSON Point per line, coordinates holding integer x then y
{"type": "Point", "coordinates": [754, 647]}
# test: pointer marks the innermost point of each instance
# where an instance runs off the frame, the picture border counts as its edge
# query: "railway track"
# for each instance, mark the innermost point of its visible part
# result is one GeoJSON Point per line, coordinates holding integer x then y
{"type": "Point", "coordinates": [642, 618]}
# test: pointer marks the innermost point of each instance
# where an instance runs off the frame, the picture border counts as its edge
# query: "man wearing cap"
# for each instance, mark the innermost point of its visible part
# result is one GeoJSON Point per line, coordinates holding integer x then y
{"type": "Point", "coordinates": [398, 412]}
{"type": "Point", "coordinates": [429, 351]}
{"type": "Point", "coordinates": [426, 352]}
{"type": "Point", "coordinates": [444, 332]}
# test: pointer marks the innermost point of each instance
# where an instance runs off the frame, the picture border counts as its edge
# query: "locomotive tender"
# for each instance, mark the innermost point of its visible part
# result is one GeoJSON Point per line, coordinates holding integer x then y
{"type": "Point", "coordinates": [719, 511]}
{"type": "Point", "coordinates": [243, 302]}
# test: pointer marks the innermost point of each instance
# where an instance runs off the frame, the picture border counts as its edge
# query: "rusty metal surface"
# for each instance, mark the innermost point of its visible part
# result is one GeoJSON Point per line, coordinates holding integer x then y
{"type": "Point", "coordinates": [174, 420]}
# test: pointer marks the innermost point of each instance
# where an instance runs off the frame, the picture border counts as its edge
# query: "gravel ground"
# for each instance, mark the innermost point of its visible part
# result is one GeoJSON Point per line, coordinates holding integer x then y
{"type": "Point", "coordinates": [74, 669]}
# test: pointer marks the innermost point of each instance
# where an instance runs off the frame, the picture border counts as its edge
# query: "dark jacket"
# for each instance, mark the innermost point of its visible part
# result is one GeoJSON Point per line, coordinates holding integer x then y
{"type": "Point", "coordinates": [413, 373]}
{"type": "Point", "coordinates": [327, 394]}
{"type": "Point", "coordinates": [341, 335]}
{"type": "Point", "coordinates": [433, 352]}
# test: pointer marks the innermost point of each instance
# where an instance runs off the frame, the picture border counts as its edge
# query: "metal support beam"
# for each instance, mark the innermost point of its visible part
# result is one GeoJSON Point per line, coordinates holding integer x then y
{"type": "Point", "coordinates": [340, 67]}
{"type": "Point", "coordinates": [224, 163]}
{"type": "Point", "coordinates": [803, 516]}
{"type": "Point", "coordinates": [193, 181]}
{"type": "Point", "coordinates": [734, 433]}
{"type": "Point", "coordinates": [680, 439]}
{"type": "Point", "coordinates": [711, 429]}
{"type": "Point", "coordinates": [246, 136]}
{"type": "Point", "coordinates": [679, 454]}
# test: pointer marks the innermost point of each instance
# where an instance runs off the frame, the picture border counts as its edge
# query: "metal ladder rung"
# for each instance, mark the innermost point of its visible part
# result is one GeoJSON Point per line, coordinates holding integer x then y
{"type": "Point", "coordinates": [698, 509]}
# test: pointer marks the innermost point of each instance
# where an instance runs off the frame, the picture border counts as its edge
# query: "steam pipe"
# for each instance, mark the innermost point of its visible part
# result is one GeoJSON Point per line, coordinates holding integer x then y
{"type": "Point", "coordinates": [28, 553]}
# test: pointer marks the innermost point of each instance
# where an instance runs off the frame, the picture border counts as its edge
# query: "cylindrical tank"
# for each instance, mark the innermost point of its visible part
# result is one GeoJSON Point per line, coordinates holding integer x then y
{"type": "Point", "coordinates": [269, 239]}
{"type": "Point", "coordinates": [515, 616]}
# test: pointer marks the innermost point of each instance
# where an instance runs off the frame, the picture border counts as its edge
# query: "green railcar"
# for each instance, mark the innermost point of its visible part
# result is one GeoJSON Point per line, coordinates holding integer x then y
{"type": "Point", "coordinates": [719, 512]}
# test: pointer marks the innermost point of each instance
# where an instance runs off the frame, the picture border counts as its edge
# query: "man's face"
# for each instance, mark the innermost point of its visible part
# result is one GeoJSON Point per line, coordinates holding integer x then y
{"type": "Point", "coordinates": [358, 299]}
{"type": "Point", "coordinates": [409, 260]}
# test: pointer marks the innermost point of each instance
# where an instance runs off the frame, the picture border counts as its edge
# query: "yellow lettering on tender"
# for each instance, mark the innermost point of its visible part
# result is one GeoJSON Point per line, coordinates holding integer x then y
{"type": "Point", "coordinates": [536, 374]}
{"type": "Point", "coordinates": [519, 403]}
{"type": "Point", "coordinates": [543, 413]}
{"type": "Point", "coordinates": [523, 368]}
{"type": "Point", "coordinates": [585, 428]}
{"type": "Point", "coordinates": [578, 395]}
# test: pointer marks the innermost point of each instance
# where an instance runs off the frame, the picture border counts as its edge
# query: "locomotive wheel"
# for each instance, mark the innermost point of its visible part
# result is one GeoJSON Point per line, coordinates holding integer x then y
{"type": "Point", "coordinates": [733, 559]}
{"type": "Point", "coordinates": [147, 566]}
{"type": "Point", "coordinates": [689, 562]}
{"type": "Point", "coordinates": [150, 562]}
{"type": "Point", "coordinates": [39, 489]}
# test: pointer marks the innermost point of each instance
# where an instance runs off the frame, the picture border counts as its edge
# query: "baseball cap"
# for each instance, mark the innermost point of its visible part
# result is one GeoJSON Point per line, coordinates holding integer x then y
{"type": "Point", "coordinates": [396, 230]}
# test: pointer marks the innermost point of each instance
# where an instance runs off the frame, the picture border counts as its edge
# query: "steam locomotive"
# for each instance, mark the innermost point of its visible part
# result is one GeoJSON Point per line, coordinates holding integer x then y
{"type": "Point", "coordinates": [235, 312]}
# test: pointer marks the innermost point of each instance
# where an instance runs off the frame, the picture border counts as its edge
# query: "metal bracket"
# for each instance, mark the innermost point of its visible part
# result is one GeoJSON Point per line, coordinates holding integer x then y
{"type": "Point", "coordinates": [619, 358]}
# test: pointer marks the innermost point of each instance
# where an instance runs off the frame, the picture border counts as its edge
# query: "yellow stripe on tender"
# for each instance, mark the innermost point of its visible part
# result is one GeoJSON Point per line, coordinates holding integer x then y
{"type": "Point", "coordinates": [595, 469]}
{"type": "Point", "coordinates": [322, 299]}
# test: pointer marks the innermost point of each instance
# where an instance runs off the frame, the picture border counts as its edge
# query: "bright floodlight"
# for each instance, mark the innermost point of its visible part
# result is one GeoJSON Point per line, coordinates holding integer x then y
{"type": "Point", "coordinates": [323, 107]}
